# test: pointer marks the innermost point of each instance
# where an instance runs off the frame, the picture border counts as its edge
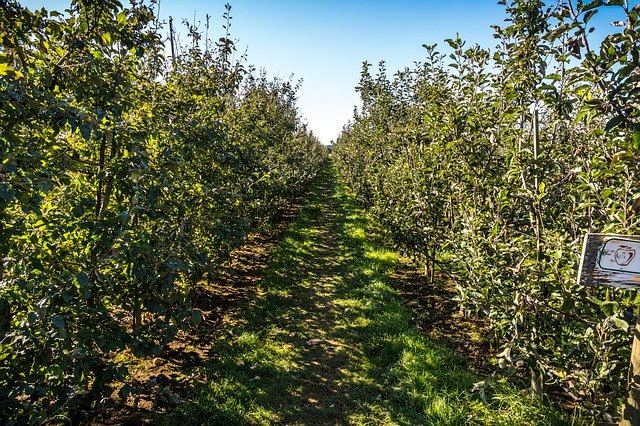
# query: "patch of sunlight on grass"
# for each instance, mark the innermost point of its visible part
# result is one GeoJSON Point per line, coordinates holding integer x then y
{"type": "Point", "coordinates": [357, 233]}
{"type": "Point", "coordinates": [349, 304]}
{"type": "Point", "coordinates": [418, 355]}
{"type": "Point", "coordinates": [370, 271]}
{"type": "Point", "coordinates": [358, 372]}
{"type": "Point", "coordinates": [371, 414]}
{"type": "Point", "coordinates": [427, 383]}
{"type": "Point", "coordinates": [290, 241]}
{"type": "Point", "coordinates": [278, 292]}
{"type": "Point", "coordinates": [508, 406]}
{"type": "Point", "coordinates": [383, 256]}
{"type": "Point", "coordinates": [381, 292]}
{"type": "Point", "coordinates": [251, 349]}
{"type": "Point", "coordinates": [441, 410]}
{"type": "Point", "coordinates": [262, 416]}
{"type": "Point", "coordinates": [247, 339]}
{"type": "Point", "coordinates": [360, 322]}
{"type": "Point", "coordinates": [225, 402]}
{"type": "Point", "coordinates": [423, 380]}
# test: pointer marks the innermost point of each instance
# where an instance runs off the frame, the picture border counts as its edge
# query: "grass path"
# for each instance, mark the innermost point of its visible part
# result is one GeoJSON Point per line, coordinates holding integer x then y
{"type": "Point", "coordinates": [325, 340]}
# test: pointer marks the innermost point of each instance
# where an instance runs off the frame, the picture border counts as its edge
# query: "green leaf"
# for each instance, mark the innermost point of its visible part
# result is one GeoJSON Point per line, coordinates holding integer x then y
{"type": "Point", "coordinates": [85, 131]}
{"type": "Point", "coordinates": [591, 5]}
{"type": "Point", "coordinates": [58, 322]}
{"type": "Point", "coordinates": [82, 278]}
{"type": "Point", "coordinates": [594, 300]}
{"type": "Point", "coordinates": [196, 316]}
{"type": "Point", "coordinates": [122, 18]}
{"type": "Point", "coordinates": [6, 191]}
{"type": "Point", "coordinates": [127, 390]}
{"type": "Point", "coordinates": [73, 123]}
{"type": "Point", "coordinates": [135, 175]}
{"type": "Point", "coordinates": [589, 15]}
{"type": "Point", "coordinates": [615, 2]}
{"type": "Point", "coordinates": [5, 69]}
{"type": "Point", "coordinates": [78, 211]}
{"type": "Point", "coordinates": [610, 308]}
{"type": "Point", "coordinates": [613, 123]}
{"type": "Point", "coordinates": [619, 324]}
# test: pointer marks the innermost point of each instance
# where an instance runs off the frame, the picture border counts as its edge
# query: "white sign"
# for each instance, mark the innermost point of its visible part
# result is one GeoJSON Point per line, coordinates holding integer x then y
{"type": "Point", "coordinates": [610, 260]}
{"type": "Point", "coordinates": [619, 254]}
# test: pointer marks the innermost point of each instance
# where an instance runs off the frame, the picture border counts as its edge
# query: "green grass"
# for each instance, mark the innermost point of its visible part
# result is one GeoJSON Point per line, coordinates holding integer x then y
{"type": "Point", "coordinates": [328, 342]}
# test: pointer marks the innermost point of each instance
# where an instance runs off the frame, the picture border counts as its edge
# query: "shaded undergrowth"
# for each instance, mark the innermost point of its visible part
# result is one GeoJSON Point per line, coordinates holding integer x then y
{"type": "Point", "coordinates": [327, 341]}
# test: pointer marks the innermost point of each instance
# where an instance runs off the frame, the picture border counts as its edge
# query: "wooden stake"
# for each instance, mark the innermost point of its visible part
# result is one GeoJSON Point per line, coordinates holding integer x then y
{"type": "Point", "coordinates": [536, 140]}
{"type": "Point", "coordinates": [173, 49]}
{"type": "Point", "coordinates": [631, 409]}
{"type": "Point", "coordinates": [537, 381]}
{"type": "Point", "coordinates": [537, 208]}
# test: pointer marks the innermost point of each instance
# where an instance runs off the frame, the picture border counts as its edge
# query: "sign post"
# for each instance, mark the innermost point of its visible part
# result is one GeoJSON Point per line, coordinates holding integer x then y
{"type": "Point", "coordinates": [614, 261]}
{"type": "Point", "coordinates": [631, 409]}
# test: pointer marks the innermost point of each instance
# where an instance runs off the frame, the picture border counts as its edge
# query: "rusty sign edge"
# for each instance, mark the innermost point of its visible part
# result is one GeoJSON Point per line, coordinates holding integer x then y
{"type": "Point", "coordinates": [589, 275]}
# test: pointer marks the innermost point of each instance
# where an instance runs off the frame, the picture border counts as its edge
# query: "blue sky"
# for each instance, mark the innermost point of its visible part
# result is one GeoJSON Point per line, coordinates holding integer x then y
{"type": "Point", "coordinates": [324, 42]}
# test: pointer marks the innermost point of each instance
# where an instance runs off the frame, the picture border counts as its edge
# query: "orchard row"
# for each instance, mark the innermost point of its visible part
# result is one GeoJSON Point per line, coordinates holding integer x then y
{"type": "Point", "coordinates": [125, 178]}
{"type": "Point", "coordinates": [443, 154]}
